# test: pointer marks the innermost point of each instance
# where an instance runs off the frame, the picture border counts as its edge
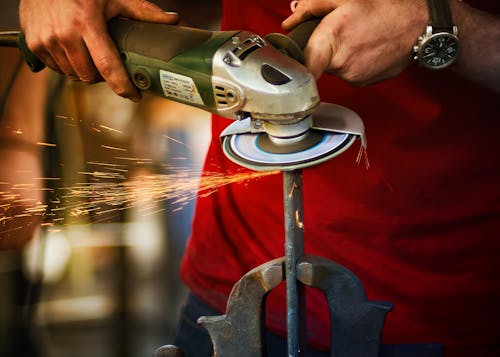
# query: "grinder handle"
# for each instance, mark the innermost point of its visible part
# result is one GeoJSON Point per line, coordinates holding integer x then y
{"type": "Point", "coordinates": [155, 40]}
{"type": "Point", "coordinates": [142, 37]}
{"type": "Point", "coordinates": [301, 33]}
{"type": "Point", "coordinates": [294, 43]}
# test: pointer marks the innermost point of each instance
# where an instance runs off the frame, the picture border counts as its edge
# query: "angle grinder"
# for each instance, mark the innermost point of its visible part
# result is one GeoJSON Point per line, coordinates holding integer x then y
{"type": "Point", "coordinates": [280, 123]}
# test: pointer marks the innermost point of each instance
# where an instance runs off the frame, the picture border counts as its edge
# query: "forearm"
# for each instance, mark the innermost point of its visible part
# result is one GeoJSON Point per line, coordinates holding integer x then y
{"type": "Point", "coordinates": [21, 128]}
{"type": "Point", "coordinates": [479, 33]}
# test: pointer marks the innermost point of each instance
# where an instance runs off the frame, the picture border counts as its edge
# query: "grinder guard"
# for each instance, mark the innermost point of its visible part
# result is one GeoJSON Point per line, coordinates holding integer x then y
{"type": "Point", "coordinates": [338, 127]}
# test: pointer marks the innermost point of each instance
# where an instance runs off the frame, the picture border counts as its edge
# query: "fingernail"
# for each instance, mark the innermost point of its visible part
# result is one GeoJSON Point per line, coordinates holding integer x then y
{"type": "Point", "coordinates": [170, 12]}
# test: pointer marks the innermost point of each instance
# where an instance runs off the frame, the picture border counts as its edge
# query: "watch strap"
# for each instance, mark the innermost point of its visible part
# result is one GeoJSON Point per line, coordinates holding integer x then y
{"type": "Point", "coordinates": [440, 15]}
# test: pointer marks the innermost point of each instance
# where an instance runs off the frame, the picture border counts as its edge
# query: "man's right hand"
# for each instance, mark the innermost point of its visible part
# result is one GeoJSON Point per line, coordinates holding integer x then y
{"type": "Point", "coordinates": [71, 37]}
{"type": "Point", "coordinates": [362, 42]}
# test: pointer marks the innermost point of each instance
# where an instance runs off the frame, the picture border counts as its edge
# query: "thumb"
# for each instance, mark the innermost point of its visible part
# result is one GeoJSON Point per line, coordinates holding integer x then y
{"type": "Point", "coordinates": [144, 10]}
{"type": "Point", "coordinates": [317, 55]}
{"type": "Point", "coordinates": [294, 19]}
{"type": "Point", "coordinates": [306, 9]}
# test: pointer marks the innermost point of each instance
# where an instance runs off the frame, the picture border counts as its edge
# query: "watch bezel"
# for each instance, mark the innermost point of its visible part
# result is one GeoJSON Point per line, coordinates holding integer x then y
{"type": "Point", "coordinates": [429, 37]}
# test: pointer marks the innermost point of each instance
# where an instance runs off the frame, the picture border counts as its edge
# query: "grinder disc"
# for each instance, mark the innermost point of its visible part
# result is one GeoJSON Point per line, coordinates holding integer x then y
{"type": "Point", "coordinates": [257, 152]}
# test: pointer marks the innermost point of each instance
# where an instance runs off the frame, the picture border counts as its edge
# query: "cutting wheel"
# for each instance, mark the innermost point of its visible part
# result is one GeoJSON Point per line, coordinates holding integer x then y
{"type": "Point", "coordinates": [258, 152]}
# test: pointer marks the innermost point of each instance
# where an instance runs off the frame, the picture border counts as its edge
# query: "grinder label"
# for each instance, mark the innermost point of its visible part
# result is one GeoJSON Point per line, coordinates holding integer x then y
{"type": "Point", "coordinates": [179, 87]}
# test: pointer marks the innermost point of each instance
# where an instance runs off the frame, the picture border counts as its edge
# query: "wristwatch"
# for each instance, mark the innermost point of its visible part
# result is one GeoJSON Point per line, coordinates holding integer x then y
{"type": "Point", "coordinates": [438, 47]}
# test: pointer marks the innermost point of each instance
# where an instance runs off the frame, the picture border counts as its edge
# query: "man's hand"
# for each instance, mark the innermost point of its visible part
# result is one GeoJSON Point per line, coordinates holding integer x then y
{"type": "Point", "coordinates": [71, 37]}
{"type": "Point", "coordinates": [361, 41]}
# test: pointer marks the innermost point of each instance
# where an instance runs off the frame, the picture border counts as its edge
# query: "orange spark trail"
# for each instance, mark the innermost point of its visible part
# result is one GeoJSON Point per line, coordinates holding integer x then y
{"type": "Point", "coordinates": [103, 198]}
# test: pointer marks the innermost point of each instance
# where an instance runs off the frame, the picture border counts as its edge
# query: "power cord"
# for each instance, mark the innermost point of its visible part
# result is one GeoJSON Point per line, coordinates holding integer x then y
{"type": "Point", "coordinates": [9, 39]}
{"type": "Point", "coordinates": [34, 287]}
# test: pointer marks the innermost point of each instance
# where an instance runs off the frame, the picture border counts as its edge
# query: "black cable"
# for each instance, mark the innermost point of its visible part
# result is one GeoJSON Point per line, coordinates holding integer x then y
{"type": "Point", "coordinates": [25, 341]}
{"type": "Point", "coordinates": [9, 39]}
{"type": "Point", "coordinates": [51, 168]}
{"type": "Point", "coordinates": [50, 160]}
{"type": "Point", "coordinates": [10, 82]}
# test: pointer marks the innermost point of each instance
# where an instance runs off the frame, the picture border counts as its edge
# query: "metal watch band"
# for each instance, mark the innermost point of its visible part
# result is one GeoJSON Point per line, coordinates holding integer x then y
{"type": "Point", "coordinates": [440, 15]}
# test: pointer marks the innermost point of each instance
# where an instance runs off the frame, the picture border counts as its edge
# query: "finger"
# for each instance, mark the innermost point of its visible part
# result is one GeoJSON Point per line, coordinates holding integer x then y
{"type": "Point", "coordinates": [146, 11]}
{"type": "Point", "coordinates": [81, 61]}
{"type": "Point", "coordinates": [59, 56]}
{"type": "Point", "coordinates": [47, 59]}
{"type": "Point", "coordinates": [50, 52]}
{"type": "Point", "coordinates": [107, 61]}
{"type": "Point", "coordinates": [305, 9]}
{"type": "Point", "coordinates": [319, 51]}
{"type": "Point", "coordinates": [295, 18]}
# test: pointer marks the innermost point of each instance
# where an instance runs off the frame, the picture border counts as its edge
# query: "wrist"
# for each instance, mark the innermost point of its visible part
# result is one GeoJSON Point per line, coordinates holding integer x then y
{"type": "Point", "coordinates": [438, 46]}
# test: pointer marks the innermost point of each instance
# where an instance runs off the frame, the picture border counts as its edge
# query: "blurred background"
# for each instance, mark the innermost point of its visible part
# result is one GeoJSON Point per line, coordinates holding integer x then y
{"type": "Point", "coordinates": [113, 184]}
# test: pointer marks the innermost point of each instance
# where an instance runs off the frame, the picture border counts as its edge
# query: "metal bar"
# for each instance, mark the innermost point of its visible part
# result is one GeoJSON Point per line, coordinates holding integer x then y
{"type": "Point", "coordinates": [294, 250]}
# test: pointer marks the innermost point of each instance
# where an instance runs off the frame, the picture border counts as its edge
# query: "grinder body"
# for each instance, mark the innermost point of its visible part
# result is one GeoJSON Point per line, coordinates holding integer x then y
{"type": "Point", "coordinates": [235, 74]}
{"type": "Point", "coordinates": [169, 61]}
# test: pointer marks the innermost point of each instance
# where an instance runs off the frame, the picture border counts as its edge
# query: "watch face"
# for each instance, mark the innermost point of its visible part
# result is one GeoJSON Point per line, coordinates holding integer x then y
{"type": "Point", "coordinates": [440, 50]}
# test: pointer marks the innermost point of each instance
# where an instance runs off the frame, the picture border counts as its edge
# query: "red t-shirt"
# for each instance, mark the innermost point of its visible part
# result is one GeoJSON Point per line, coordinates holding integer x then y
{"type": "Point", "coordinates": [420, 227]}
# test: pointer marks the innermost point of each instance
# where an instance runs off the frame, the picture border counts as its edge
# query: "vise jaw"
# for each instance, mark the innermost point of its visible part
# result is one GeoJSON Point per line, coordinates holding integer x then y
{"type": "Point", "coordinates": [356, 322]}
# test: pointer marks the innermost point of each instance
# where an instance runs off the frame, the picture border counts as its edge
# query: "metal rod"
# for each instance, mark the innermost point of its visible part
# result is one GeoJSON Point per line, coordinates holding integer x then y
{"type": "Point", "coordinates": [294, 249]}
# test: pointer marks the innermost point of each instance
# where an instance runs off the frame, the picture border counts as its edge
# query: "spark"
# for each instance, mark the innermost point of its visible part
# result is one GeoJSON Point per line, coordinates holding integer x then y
{"type": "Point", "coordinates": [119, 170]}
{"type": "Point", "coordinates": [106, 164]}
{"type": "Point", "coordinates": [292, 190]}
{"type": "Point", "coordinates": [113, 148]}
{"type": "Point", "coordinates": [45, 144]}
{"type": "Point", "coordinates": [136, 159]}
{"type": "Point", "coordinates": [110, 129]}
{"type": "Point", "coordinates": [21, 186]}
{"type": "Point", "coordinates": [174, 140]}
{"type": "Point", "coordinates": [102, 174]}
{"type": "Point", "coordinates": [110, 193]}
{"type": "Point", "coordinates": [362, 153]}
{"type": "Point", "coordinates": [298, 222]}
